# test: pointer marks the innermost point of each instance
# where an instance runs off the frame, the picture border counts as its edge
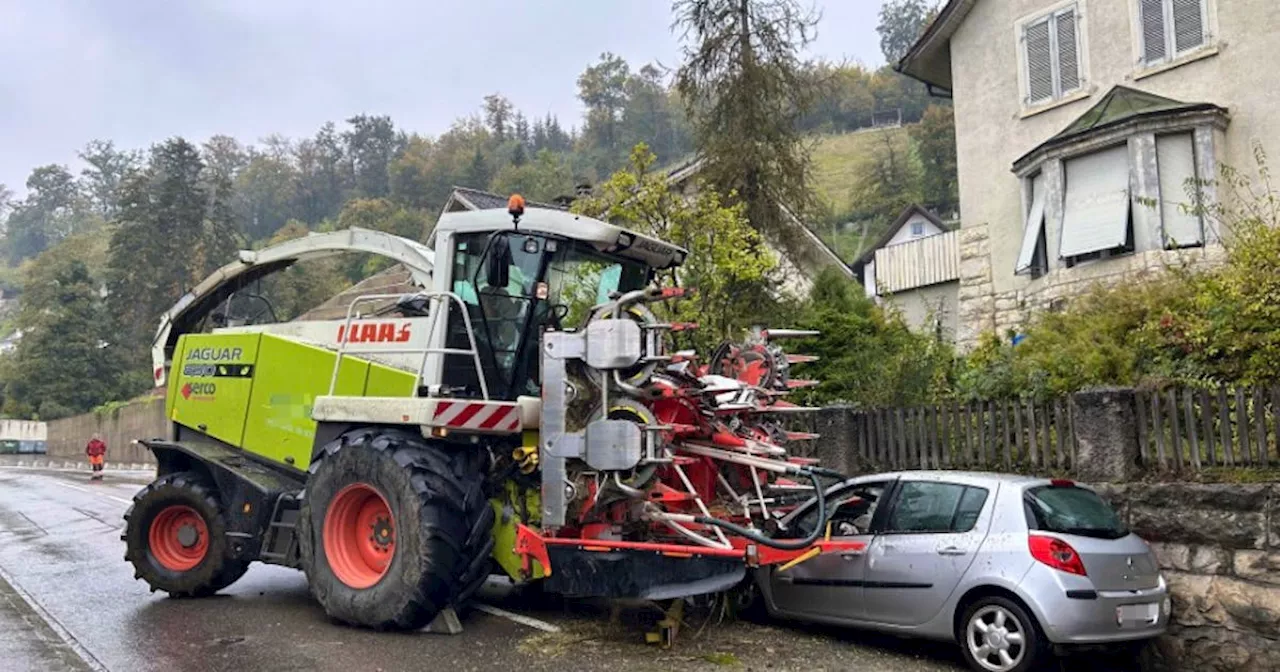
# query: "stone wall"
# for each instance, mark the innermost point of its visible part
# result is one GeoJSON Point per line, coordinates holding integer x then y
{"type": "Point", "coordinates": [982, 309]}
{"type": "Point", "coordinates": [1219, 549]}
{"type": "Point", "coordinates": [120, 427]}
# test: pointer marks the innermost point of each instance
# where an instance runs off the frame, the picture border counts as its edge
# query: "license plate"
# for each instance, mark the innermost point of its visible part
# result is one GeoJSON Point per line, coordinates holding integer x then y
{"type": "Point", "coordinates": [1136, 615]}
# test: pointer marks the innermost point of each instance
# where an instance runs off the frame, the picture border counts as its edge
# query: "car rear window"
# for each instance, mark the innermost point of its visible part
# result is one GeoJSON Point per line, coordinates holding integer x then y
{"type": "Point", "coordinates": [1072, 510]}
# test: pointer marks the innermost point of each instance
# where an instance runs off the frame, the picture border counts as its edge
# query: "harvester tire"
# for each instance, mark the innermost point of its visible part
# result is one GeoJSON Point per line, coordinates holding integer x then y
{"type": "Point", "coordinates": [394, 528]}
{"type": "Point", "coordinates": [175, 537]}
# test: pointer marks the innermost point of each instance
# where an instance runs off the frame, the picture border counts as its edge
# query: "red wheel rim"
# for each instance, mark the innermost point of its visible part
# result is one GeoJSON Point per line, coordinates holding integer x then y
{"type": "Point", "coordinates": [179, 538]}
{"type": "Point", "coordinates": [359, 535]}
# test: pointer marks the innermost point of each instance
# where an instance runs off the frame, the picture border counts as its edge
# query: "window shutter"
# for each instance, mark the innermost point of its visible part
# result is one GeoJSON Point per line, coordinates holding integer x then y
{"type": "Point", "coordinates": [1153, 40]}
{"type": "Point", "coordinates": [1188, 24]}
{"type": "Point", "coordinates": [1034, 227]}
{"type": "Point", "coordinates": [1096, 216]}
{"type": "Point", "coordinates": [1068, 52]}
{"type": "Point", "coordinates": [1039, 62]}
{"type": "Point", "coordinates": [1176, 162]}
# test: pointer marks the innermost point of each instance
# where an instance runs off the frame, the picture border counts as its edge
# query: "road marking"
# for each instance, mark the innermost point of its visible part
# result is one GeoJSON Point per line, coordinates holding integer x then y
{"type": "Point", "coordinates": [58, 629]}
{"type": "Point", "coordinates": [76, 487]}
{"type": "Point", "coordinates": [517, 618]}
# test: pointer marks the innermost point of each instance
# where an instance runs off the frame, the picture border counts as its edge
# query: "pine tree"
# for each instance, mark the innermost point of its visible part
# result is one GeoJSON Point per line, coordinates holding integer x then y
{"type": "Point", "coordinates": [746, 89]}
{"type": "Point", "coordinates": [60, 368]}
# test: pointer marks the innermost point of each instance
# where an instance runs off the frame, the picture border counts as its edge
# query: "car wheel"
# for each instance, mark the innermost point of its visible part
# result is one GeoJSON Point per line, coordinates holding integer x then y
{"type": "Point", "coordinates": [998, 635]}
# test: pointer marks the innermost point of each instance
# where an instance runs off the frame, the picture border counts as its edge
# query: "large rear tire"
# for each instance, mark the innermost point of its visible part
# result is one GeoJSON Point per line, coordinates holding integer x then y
{"type": "Point", "coordinates": [176, 538]}
{"type": "Point", "coordinates": [394, 528]}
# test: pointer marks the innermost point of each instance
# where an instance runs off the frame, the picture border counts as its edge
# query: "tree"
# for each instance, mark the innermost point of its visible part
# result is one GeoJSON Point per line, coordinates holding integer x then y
{"type": "Point", "coordinates": [478, 172]}
{"type": "Point", "coordinates": [726, 263]}
{"type": "Point", "coordinates": [542, 179]}
{"type": "Point", "coordinates": [108, 168]}
{"type": "Point", "coordinates": [53, 210]}
{"type": "Point", "coordinates": [651, 115]}
{"type": "Point", "coordinates": [158, 243]}
{"type": "Point", "coordinates": [497, 114]}
{"type": "Point", "coordinates": [745, 89]}
{"type": "Point", "coordinates": [867, 356]}
{"type": "Point", "coordinates": [323, 174]}
{"type": "Point", "coordinates": [266, 190]}
{"type": "Point", "coordinates": [888, 181]}
{"type": "Point", "coordinates": [935, 139]}
{"type": "Point", "coordinates": [371, 144]}
{"type": "Point", "coordinates": [60, 367]}
{"type": "Point", "coordinates": [602, 88]}
{"type": "Point", "coordinates": [902, 22]}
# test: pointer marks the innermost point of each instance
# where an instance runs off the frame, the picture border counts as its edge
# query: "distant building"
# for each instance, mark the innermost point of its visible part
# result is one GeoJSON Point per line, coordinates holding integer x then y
{"type": "Point", "coordinates": [1079, 126]}
{"type": "Point", "coordinates": [915, 267]}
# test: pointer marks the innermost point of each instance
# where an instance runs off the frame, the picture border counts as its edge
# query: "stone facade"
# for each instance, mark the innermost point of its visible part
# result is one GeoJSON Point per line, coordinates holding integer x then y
{"type": "Point", "coordinates": [1219, 549]}
{"type": "Point", "coordinates": [984, 309]}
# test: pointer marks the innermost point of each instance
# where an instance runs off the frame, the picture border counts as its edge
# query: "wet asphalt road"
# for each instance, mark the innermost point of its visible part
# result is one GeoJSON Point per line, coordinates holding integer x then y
{"type": "Point", "coordinates": [60, 549]}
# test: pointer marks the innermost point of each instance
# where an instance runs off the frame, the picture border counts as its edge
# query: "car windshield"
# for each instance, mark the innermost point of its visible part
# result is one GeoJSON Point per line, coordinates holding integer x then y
{"type": "Point", "coordinates": [1072, 510]}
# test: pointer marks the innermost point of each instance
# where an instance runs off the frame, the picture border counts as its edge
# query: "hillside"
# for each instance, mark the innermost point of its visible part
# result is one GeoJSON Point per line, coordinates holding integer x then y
{"type": "Point", "coordinates": [839, 162]}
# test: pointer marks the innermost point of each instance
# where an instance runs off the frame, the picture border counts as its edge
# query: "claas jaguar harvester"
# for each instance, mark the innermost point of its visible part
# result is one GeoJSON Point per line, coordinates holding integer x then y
{"type": "Point", "coordinates": [523, 412]}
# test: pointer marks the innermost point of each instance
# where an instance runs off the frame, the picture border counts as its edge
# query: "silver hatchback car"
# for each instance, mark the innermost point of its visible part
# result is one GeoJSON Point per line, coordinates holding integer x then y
{"type": "Point", "coordinates": [1009, 567]}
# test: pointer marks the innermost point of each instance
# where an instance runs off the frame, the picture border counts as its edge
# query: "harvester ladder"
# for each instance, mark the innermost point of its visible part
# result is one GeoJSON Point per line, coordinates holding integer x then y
{"type": "Point", "coordinates": [436, 298]}
{"type": "Point", "coordinates": [285, 504]}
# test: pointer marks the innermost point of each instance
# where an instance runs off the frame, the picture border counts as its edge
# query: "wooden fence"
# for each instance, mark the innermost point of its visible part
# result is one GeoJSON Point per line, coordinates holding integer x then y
{"type": "Point", "coordinates": [1190, 429]}
{"type": "Point", "coordinates": [1007, 435]}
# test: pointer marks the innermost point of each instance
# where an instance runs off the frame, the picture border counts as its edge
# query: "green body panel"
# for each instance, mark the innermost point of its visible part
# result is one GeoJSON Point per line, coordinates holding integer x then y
{"type": "Point", "coordinates": [508, 512]}
{"type": "Point", "coordinates": [256, 391]}
{"type": "Point", "coordinates": [210, 383]}
{"type": "Point", "coordinates": [385, 381]}
{"type": "Point", "coordinates": [289, 376]}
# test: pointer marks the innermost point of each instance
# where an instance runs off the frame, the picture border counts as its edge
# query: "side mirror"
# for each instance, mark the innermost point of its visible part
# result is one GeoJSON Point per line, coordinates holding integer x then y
{"type": "Point", "coordinates": [497, 268]}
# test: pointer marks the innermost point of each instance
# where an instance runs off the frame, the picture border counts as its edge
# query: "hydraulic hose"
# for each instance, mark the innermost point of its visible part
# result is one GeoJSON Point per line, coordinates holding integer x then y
{"type": "Point", "coordinates": [793, 545]}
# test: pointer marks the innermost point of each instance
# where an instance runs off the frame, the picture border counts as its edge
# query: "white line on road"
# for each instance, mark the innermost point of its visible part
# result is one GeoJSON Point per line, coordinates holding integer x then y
{"type": "Point", "coordinates": [76, 487]}
{"type": "Point", "coordinates": [522, 620]}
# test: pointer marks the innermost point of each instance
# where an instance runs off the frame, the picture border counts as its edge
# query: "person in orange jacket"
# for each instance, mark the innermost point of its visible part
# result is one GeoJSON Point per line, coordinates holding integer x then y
{"type": "Point", "coordinates": [97, 452]}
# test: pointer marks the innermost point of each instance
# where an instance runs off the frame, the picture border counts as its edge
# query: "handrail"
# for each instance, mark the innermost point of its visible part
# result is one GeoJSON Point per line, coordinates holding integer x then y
{"type": "Point", "coordinates": [435, 298]}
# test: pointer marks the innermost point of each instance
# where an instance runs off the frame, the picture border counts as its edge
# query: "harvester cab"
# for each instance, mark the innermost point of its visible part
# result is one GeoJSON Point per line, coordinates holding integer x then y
{"type": "Point", "coordinates": [520, 410]}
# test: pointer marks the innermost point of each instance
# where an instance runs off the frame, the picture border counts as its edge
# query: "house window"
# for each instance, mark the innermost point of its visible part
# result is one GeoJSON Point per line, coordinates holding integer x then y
{"type": "Point", "coordinates": [1034, 255]}
{"type": "Point", "coordinates": [1050, 46]}
{"type": "Point", "coordinates": [1176, 162]}
{"type": "Point", "coordinates": [1097, 220]}
{"type": "Point", "coordinates": [1172, 28]}
{"type": "Point", "coordinates": [917, 229]}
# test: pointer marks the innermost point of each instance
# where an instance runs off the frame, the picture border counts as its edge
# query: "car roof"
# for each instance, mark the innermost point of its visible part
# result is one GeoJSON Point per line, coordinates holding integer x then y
{"type": "Point", "coordinates": [966, 477]}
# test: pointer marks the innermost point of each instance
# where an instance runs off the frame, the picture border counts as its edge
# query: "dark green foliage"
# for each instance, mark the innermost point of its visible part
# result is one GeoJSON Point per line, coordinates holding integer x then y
{"type": "Point", "coordinates": [54, 209]}
{"type": "Point", "coordinates": [935, 141]}
{"type": "Point", "coordinates": [902, 22]}
{"type": "Point", "coordinates": [62, 365]}
{"type": "Point", "coordinates": [869, 357]}
{"type": "Point", "coordinates": [745, 88]}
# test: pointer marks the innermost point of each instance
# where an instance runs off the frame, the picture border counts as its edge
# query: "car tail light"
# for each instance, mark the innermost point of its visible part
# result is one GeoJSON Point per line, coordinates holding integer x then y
{"type": "Point", "coordinates": [1056, 553]}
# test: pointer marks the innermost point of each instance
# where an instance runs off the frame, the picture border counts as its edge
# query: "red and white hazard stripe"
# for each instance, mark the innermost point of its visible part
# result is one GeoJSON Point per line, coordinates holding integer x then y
{"type": "Point", "coordinates": [479, 416]}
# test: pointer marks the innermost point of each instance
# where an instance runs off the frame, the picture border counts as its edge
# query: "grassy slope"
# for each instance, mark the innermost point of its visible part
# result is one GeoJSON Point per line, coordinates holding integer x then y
{"type": "Point", "coordinates": [837, 162]}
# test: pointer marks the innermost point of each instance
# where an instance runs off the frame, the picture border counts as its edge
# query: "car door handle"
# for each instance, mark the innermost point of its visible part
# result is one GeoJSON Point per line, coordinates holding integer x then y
{"type": "Point", "coordinates": [951, 550]}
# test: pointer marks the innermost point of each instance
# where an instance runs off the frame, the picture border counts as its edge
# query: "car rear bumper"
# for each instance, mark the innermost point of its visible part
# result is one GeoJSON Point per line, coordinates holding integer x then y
{"type": "Point", "coordinates": [1071, 612]}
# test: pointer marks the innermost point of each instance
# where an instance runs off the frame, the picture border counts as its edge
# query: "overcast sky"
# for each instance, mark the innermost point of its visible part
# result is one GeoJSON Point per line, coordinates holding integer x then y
{"type": "Point", "coordinates": [139, 71]}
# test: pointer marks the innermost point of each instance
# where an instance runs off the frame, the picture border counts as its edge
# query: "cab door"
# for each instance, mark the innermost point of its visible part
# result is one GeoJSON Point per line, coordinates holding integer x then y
{"type": "Point", "coordinates": [926, 544]}
{"type": "Point", "coordinates": [830, 586]}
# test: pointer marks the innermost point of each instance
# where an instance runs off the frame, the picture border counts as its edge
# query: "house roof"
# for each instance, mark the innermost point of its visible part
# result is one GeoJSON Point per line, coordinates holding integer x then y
{"type": "Point", "coordinates": [907, 213]}
{"type": "Point", "coordinates": [465, 198]}
{"type": "Point", "coordinates": [929, 59]}
{"type": "Point", "coordinates": [1120, 106]}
